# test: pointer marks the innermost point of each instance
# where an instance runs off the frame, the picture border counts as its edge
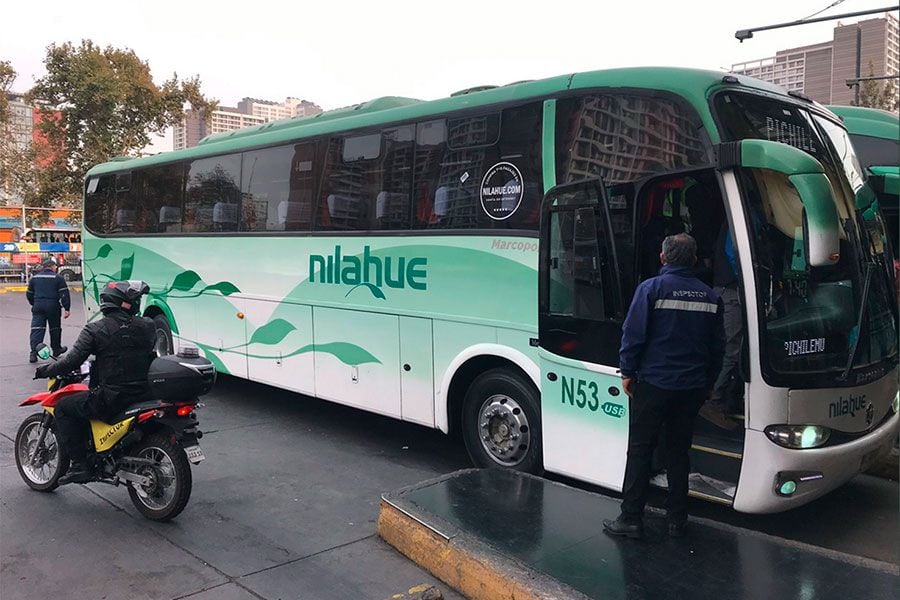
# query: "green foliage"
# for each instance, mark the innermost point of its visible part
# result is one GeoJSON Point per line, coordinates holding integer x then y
{"type": "Point", "coordinates": [18, 172]}
{"type": "Point", "coordinates": [879, 94]}
{"type": "Point", "coordinates": [7, 77]}
{"type": "Point", "coordinates": [98, 103]}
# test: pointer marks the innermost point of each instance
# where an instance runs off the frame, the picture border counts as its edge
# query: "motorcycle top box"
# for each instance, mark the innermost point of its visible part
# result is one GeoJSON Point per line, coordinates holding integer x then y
{"type": "Point", "coordinates": [181, 376]}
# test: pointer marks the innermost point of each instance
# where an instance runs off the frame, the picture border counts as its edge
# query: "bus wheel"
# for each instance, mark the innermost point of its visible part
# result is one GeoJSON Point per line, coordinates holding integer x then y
{"type": "Point", "coordinates": [502, 422]}
{"type": "Point", "coordinates": [67, 274]}
{"type": "Point", "coordinates": [163, 345]}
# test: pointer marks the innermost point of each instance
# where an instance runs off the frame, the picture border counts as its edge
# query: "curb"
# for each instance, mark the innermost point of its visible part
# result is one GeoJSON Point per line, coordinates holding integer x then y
{"type": "Point", "coordinates": [467, 565]}
{"type": "Point", "coordinates": [24, 288]}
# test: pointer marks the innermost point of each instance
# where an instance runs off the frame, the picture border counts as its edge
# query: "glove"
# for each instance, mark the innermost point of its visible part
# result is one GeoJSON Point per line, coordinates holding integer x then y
{"type": "Point", "coordinates": [41, 372]}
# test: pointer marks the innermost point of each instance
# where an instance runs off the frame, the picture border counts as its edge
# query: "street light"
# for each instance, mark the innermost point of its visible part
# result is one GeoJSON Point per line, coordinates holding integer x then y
{"type": "Point", "coordinates": [746, 34]}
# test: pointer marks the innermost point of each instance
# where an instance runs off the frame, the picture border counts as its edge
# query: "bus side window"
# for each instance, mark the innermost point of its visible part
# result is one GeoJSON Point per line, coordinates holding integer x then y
{"type": "Point", "coordinates": [98, 202]}
{"type": "Point", "coordinates": [213, 194]}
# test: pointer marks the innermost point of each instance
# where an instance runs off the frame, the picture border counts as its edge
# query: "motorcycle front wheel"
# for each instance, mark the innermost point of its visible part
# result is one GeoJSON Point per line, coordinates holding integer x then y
{"type": "Point", "coordinates": [169, 475]}
{"type": "Point", "coordinates": [41, 462]}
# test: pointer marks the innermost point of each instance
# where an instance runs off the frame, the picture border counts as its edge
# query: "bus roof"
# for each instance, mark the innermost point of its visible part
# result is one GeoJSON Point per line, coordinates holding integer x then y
{"type": "Point", "coordinates": [695, 85]}
{"type": "Point", "coordinates": [873, 122]}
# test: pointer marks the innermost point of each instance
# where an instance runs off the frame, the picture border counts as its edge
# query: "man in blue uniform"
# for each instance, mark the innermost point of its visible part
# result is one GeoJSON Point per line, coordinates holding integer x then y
{"type": "Point", "coordinates": [672, 345]}
{"type": "Point", "coordinates": [47, 292]}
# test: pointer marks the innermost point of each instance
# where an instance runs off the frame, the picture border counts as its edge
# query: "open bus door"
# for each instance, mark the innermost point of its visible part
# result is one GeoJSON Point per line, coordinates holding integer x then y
{"type": "Point", "coordinates": [584, 410]}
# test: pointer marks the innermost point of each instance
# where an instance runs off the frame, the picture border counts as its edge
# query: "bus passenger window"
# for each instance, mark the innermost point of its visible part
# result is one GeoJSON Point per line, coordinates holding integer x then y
{"type": "Point", "coordinates": [368, 179]}
{"type": "Point", "coordinates": [213, 182]}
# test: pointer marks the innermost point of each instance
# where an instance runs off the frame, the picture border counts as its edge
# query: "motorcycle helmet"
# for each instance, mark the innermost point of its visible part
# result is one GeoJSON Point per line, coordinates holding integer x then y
{"type": "Point", "coordinates": [125, 295]}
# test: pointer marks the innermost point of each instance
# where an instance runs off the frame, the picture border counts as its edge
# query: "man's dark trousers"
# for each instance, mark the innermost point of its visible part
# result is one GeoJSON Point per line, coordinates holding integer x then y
{"type": "Point", "coordinates": [72, 423]}
{"type": "Point", "coordinates": [43, 314]}
{"type": "Point", "coordinates": [650, 408]}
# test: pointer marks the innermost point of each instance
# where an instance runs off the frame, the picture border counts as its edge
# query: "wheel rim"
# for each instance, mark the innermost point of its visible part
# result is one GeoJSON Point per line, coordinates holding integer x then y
{"type": "Point", "coordinates": [161, 347]}
{"type": "Point", "coordinates": [503, 430]}
{"type": "Point", "coordinates": [159, 493]}
{"type": "Point", "coordinates": [46, 461]}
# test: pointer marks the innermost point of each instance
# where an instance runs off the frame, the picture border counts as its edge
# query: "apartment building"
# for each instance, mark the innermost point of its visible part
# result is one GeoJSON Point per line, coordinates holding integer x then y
{"type": "Point", "coordinates": [821, 70]}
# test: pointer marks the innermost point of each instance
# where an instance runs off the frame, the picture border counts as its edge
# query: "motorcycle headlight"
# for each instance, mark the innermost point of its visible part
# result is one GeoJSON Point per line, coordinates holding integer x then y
{"type": "Point", "coordinates": [798, 436]}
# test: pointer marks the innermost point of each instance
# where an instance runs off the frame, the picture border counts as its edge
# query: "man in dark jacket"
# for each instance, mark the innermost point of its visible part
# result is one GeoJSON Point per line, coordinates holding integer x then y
{"type": "Point", "coordinates": [123, 344]}
{"type": "Point", "coordinates": [672, 345]}
{"type": "Point", "coordinates": [47, 291]}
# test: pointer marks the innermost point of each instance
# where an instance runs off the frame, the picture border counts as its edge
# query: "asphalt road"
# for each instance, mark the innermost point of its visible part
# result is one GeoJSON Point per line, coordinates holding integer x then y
{"type": "Point", "coordinates": [285, 504]}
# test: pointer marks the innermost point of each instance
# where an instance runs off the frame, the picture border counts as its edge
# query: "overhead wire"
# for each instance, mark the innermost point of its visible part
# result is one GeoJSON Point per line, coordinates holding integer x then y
{"type": "Point", "coordinates": [832, 5]}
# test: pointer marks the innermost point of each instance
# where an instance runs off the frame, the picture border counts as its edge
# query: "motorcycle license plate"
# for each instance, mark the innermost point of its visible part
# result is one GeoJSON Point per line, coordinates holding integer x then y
{"type": "Point", "coordinates": [194, 454]}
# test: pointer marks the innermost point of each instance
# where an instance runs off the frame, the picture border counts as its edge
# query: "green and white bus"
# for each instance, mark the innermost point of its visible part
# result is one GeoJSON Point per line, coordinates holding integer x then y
{"type": "Point", "coordinates": [466, 264]}
{"type": "Point", "coordinates": [875, 135]}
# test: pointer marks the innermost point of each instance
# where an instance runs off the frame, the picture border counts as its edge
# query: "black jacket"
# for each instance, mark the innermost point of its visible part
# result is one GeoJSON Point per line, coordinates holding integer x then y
{"type": "Point", "coordinates": [48, 289]}
{"type": "Point", "coordinates": [123, 346]}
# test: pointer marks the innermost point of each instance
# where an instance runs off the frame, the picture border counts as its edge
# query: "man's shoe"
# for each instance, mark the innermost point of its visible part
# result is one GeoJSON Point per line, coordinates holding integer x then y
{"type": "Point", "coordinates": [60, 350]}
{"type": "Point", "coordinates": [716, 415]}
{"type": "Point", "coordinates": [77, 473]}
{"type": "Point", "coordinates": [677, 530]}
{"type": "Point", "coordinates": [32, 358]}
{"type": "Point", "coordinates": [624, 528]}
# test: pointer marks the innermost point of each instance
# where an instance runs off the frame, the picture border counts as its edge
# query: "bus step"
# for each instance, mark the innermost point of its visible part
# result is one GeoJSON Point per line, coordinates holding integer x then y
{"type": "Point", "coordinates": [702, 486]}
{"type": "Point", "coordinates": [720, 446]}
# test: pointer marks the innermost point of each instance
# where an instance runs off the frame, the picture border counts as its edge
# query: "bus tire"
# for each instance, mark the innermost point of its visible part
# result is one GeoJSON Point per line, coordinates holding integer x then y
{"type": "Point", "coordinates": [501, 422]}
{"type": "Point", "coordinates": [67, 274]}
{"type": "Point", "coordinates": [163, 345]}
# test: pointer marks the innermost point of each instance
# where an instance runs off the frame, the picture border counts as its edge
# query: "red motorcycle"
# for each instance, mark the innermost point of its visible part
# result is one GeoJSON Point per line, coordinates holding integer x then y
{"type": "Point", "coordinates": [148, 447]}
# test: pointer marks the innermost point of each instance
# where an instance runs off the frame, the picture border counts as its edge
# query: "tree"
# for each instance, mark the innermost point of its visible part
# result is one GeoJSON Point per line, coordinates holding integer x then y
{"type": "Point", "coordinates": [18, 173]}
{"type": "Point", "coordinates": [878, 94]}
{"type": "Point", "coordinates": [97, 103]}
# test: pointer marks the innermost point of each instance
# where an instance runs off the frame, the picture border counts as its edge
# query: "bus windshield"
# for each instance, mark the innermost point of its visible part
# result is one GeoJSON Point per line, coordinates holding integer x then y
{"type": "Point", "coordinates": [810, 316]}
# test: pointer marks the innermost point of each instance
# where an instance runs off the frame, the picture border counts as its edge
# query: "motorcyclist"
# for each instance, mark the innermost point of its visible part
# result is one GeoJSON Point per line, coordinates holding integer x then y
{"type": "Point", "coordinates": [123, 344]}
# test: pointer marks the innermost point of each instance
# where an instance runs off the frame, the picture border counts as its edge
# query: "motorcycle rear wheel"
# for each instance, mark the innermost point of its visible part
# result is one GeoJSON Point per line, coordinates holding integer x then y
{"type": "Point", "coordinates": [51, 461]}
{"type": "Point", "coordinates": [170, 479]}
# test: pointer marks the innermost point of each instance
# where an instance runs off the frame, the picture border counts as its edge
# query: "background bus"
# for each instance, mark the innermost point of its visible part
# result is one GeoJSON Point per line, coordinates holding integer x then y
{"type": "Point", "coordinates": [387, 256]}
{"type": "Point", "coordinates": [876, 138]}
{"type": "Point", "coordinates": [30, 234]}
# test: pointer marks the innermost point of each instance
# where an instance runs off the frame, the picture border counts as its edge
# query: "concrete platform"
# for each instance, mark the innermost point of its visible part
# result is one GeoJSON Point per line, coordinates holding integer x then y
{"type": "Point", "coordinates": [495, 534]}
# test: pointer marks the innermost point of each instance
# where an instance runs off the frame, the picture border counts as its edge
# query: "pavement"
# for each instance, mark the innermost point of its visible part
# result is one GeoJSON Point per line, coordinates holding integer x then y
{"type": "Point", "coordinates": [546, 540]}
{"type": "Point", "coordinates": [283, 507]}
{"type": "Point", "coordinates": [286, 504]}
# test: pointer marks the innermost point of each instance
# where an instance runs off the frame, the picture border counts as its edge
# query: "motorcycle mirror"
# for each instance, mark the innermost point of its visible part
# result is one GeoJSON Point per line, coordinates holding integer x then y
{"type": "Point", "coordinates": [43, 351]}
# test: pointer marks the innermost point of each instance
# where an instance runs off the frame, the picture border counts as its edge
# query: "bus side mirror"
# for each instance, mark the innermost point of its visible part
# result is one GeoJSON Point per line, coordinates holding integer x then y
{"type": "Point", "coordinates": [821, 225]}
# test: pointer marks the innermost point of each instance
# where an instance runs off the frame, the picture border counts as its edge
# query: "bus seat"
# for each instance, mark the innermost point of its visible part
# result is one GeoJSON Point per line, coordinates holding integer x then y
{"type": "Point", "coordinates": [124, 218]}
{"type": "Point", "coordinates": [225, 212]}
{"type": "Point", "coordinates": [169, 215]}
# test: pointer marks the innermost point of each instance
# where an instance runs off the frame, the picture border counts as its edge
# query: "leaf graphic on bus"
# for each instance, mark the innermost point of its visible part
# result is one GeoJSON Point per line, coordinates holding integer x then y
{"type": "Point", "coordinates": [349, 354]}
{"type": "Point", "coordinates": [127, 267]}
{"type": "Point", "coordinates": [272, 332]}
{"type": "Point", "coordinates": [226, 288]}
{"type": "Point", "coordinates": [103, 252]}
{"type": "Point", "coordinates": [376, 291]}
{"type": "Point", "coordinates": [185, 281]}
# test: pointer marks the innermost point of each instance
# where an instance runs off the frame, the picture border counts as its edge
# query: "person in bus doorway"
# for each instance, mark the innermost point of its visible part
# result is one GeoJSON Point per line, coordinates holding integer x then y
{"type": "Point", "coordinates": [725, 283]}
{"type": "Point", "coordinates": [48, 295]}
{"type": "Point", "coordinates": [672, 344]}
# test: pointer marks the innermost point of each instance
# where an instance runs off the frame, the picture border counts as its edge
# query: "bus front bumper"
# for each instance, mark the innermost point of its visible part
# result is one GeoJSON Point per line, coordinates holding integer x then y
{"type": "Point", "coordinates": [767, 468]}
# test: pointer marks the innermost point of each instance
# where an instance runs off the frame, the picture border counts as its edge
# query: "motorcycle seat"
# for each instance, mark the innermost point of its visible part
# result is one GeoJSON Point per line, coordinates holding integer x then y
{"type": "Point", "coordinates": [134, 409]}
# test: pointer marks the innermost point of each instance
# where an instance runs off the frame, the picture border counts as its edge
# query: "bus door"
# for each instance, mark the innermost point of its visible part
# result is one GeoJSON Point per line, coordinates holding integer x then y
{"type": "Point", "coordinates": [584, 411]}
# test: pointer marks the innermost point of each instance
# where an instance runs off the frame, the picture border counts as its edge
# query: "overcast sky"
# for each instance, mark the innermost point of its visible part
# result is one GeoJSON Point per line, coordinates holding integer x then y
{"type": "Point", "coordinates": [337, 53]}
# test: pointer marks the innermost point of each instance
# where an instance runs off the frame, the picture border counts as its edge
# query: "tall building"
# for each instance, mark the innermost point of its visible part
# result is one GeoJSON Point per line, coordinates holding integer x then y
{"type": "Point", "coordinates": [821, 70]}
{"type": "Point", "coordinates": [22, 122]}
{"type": "Point", "coordinates": [249, 111]}
{"type": "Point", "coordinates": [273, 111]}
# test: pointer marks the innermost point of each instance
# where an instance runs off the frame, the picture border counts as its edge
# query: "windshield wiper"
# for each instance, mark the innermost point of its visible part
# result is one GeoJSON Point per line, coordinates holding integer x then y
{"type": "Point", "coordinates": [864, 305]}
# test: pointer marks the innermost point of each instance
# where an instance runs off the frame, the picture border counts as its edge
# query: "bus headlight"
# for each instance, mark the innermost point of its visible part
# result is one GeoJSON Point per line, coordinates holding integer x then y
{"type": "Point", "coordinates": [798, 436]}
